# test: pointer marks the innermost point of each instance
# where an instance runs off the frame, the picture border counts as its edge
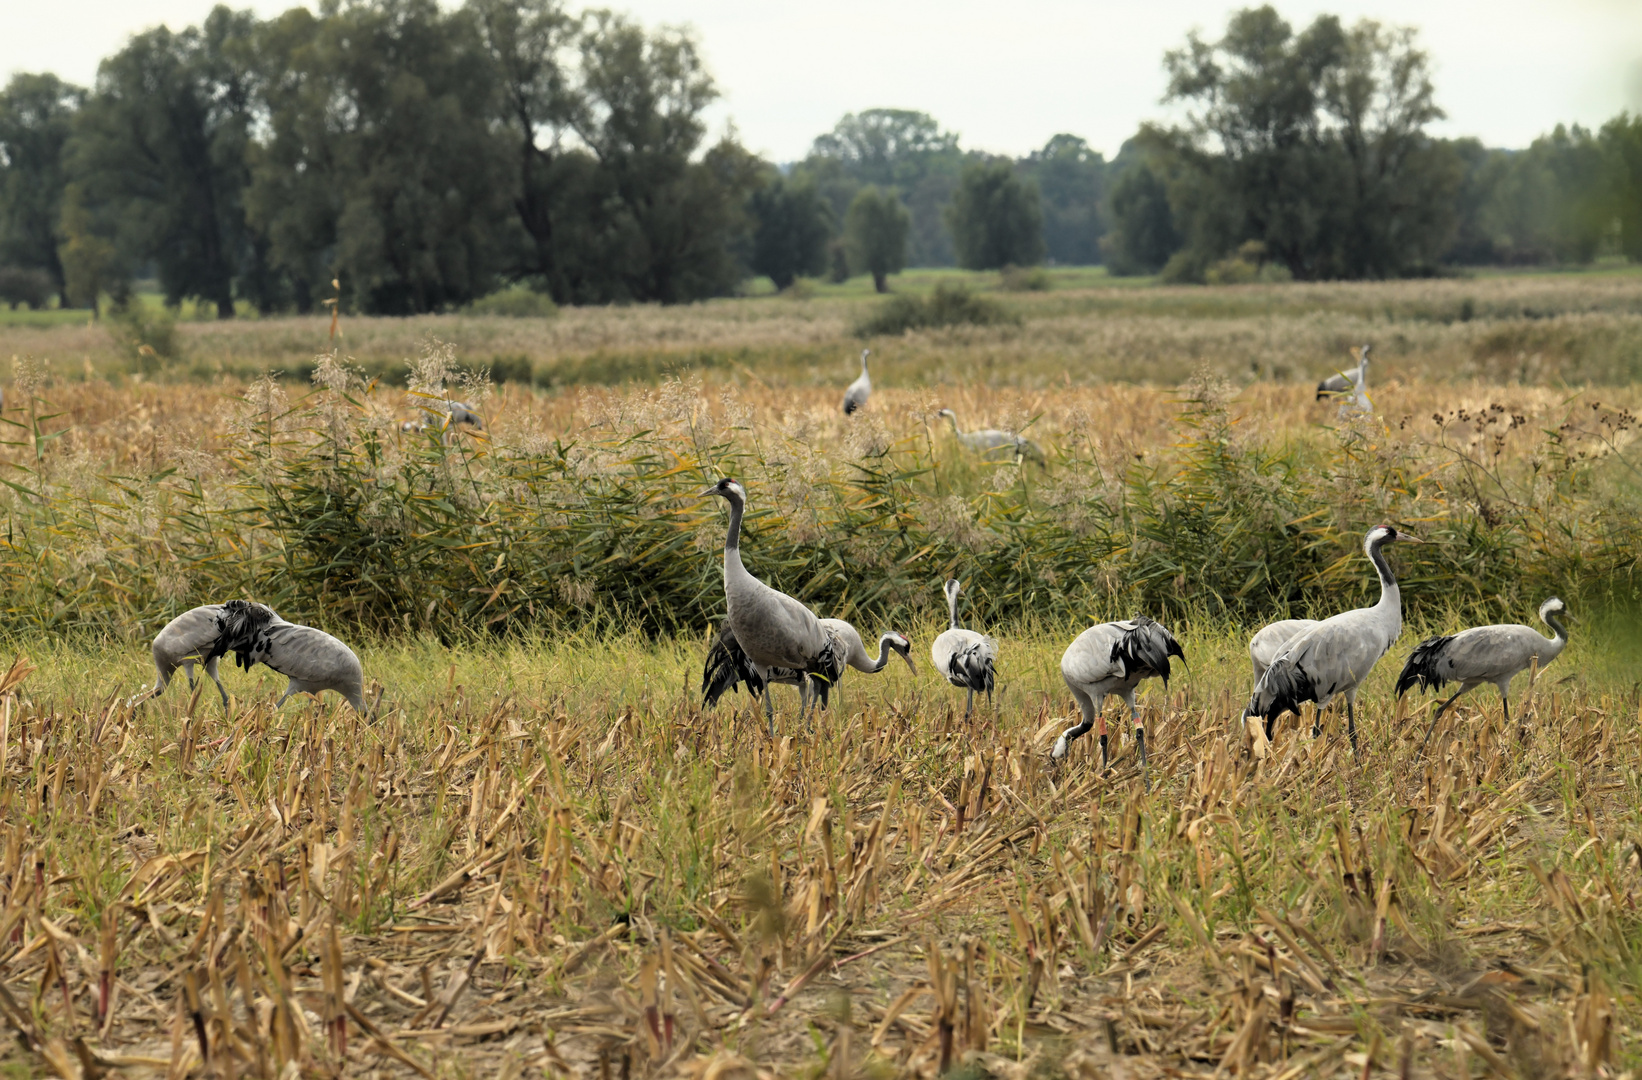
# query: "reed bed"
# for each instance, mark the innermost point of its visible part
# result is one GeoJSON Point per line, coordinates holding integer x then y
{"type": "Point", "coordinates": [543, 858]}
{"type": "Point", "coordinates": [126, 506]}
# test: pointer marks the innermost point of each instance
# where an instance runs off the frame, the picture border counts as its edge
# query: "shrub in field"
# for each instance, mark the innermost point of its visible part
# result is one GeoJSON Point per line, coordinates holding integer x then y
{"type": "Point", "coordinates": [147, 335]}
{"type": "Point", "coordinates": [948, 305]}
{"type": "Point", "coordinates": [1025, 278]}
{"type": "Point", "coordinates": [25, 285]}
{"type": "Point", "coordinates": [516, 302]}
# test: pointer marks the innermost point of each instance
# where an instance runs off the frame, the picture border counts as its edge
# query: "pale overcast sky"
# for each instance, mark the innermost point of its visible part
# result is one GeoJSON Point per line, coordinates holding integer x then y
{"type": "Point", "coordinates": [1007, 76]}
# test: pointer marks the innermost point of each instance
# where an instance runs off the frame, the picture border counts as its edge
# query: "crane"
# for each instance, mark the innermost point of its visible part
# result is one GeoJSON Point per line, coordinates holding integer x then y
{"type": "Point", "coordinates": [773, 629]}
{"type": "Point", "coordinates": [859, 390]}
{"type": "Point", "coordinates": [1270, 640]}
{"type": "Point", "coordinates": [966, 659]}
{"type": "Point", "coordinates": [1349, 380]}
{"type": "Point", "coordinates": [727, 665]}
{"type": "Point", "coordinates": [988, 441]}
{"type": "Point", "coordinates": [1483, 654]}
{"type": "Point", "coordinates": [311, 659]}
{"type": "Point", "coordinates": [1334, 657]}
{"type": "Point", "coordinates": [1112, 658]}
{"type": "Point", "coordinates": [183, 642]}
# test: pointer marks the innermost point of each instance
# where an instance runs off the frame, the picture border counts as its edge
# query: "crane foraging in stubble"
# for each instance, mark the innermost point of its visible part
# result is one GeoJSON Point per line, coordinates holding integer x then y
{"type": "Point", "coordinates": [727, 665]}
{"type": "Point", "coordinates": [1483, 654]}
{"type": "Point", "coordinates": [964, 658]}
{"type": "Point", "coordinates": [1112, 658]}
{"type": "Point", "coordinates": [773, 629]}
{"type": "Point", "coordinates": [185, 641]}
{"type": "Point", "coordinates": [1334, 657]}
{"type": "Point", "coordinates": [859, 390]}
{"type": "Point", "coordinates": [311, 659]}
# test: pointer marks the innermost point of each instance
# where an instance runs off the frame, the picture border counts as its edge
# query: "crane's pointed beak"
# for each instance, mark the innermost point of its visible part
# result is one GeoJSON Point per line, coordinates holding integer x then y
{"type": "Point", "coordinates": [706, 491]}
{"type": "Point", "coordinates": [1408, 538]}
{"type": "Point", "coordinates": [907, 656]}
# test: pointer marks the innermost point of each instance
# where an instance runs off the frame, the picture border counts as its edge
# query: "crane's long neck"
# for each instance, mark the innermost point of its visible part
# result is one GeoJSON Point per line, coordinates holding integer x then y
{"type": "Point", "coordinates": [863, 363]}
{"type": "Point", "coordinates": [883, 655]}
{"type": "Point", "coordinates": [1391, 598]}
{"type": "Point", "coordinates": [732, 541]}
{"type": "Point", "coordinates": [1561, 638]}
{"type": "Point", "coordinates": [952, 607]}
{"type": "Point", "coordinates": [953, 420]}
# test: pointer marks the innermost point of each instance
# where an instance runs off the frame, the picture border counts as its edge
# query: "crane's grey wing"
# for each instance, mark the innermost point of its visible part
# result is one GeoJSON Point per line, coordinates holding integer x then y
{"type": "Point", "coordinates": [1144, 648]}
{"type": "Point", "coordinates": [1492, 653]}
{"type": "Point", "coordinates": [775, 629]}
{"type": "Point", "coordinates": [1265, 646]}
{"type": "Point", "coordinates": [193, 632]}
{"type": "Point", "coordinates": [1089, 660]}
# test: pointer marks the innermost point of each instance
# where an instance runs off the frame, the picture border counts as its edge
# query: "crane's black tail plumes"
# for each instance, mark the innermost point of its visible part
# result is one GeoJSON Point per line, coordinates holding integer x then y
{"type": "Point", "coordinates": [1283, 688]}
{"type": "Point", "coordinates": [1146, 648]}
{"type": "Point", "coordinates": [827, 669]}
{"type": "Point", "coordinates": [1422, 666]}
{"type": "Point", "coordinates": [727, 668]}
{"type": "Point", "coordinates": [242, 629]}
{"type": "Point", "coordinates": [972, 669]}
{"type": "Point", "coordinates": [850, 406]}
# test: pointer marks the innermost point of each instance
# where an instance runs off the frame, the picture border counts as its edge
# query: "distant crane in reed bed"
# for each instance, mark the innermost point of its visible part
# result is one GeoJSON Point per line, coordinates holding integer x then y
{"type": "Point", "coordinates": [312, 660]}
{"type": "Point", "coordinates": [1349, 380]}
{"type": "Point", "coordinates": [187, 640]}
{"type": "Point", "coordinates": [1334, 657]}
{"type": "Point", "coordinates": [988, 441]}
{"type": "Point", "coordinates": [727, 665]}
{"type": "Point", "coordinates": [966, 659]}
{"type": "Point", "coordinates": [859, 390]}
{"type": "Point", "coordinates": [773, 629]}
{"type": "Point", "coordinates": [1483, 654]}
{"type": "Point", "coordinates": [447, 414]}
{"type": "Point", "coordinates": [1112, 658]}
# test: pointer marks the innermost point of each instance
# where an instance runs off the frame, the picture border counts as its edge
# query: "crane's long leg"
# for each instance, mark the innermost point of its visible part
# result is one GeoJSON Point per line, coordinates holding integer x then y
{"type": "Point", "coordinates": [211, 670]}
{"type": "Point", "coordinates": [1440, 710]}
{"type": "Point", "coordinates": [1351, 725]}
{"type": "Point", "coordinates": [1140, 741]}
{"type": "Point", "coordinates": [769, 710]}
{"type": "Point", "coordinates": [969, 707]}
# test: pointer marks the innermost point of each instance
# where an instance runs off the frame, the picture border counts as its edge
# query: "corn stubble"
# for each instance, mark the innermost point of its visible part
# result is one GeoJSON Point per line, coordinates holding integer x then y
{"type": "Point", "coordinates": [483, 884]}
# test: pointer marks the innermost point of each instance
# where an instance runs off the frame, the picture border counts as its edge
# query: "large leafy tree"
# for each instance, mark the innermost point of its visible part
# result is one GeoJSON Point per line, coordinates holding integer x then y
{"type": "Point", "coordinates": [158, 157]}
{"type": "Point", "coordinates": [1071, 178]}
{"type": "Point", "coordinates": [1312, 143]}
{"type": "Point", "coordinates": [875, 234]}
{"type": "Point", "coordinates": [382, 167]}
{"type": "Point", "coordinates": [791, 226]}
{"type": "Point", "coordinates": [898, 149]}
{"type": "Point", "coordinates": [996, 218]}
{"type": "Point", "coordinates": [36, 117]}
{"type": "Point", "coordinates": [653, 222]}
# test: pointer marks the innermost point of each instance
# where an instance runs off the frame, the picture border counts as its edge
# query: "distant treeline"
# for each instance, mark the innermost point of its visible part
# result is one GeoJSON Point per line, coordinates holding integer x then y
{"type": "Point", "coordinates": [422, 158]}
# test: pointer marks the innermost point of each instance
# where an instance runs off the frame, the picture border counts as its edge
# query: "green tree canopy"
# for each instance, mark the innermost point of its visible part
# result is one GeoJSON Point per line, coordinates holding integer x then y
{"type": "Point", "coordinates": [159, 154]}
{"type": "Point", "coordinates": [875, 234]}
{"type": "Point", "coordinates": [996, 218]}
{"type": "Point", "coordinates": [1071, 179]}
{"type": "Point", "coordinates": [791, 227]}
{"type": "Point", "coordinates": [892, 148]}
{"type": "Point", "coordinates": [36, 117]}
{"type": "Point", "coordinates": [1311, 143]}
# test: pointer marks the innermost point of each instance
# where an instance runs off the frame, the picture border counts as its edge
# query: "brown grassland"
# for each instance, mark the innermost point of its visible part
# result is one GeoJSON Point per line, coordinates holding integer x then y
{"type": "Point", "coordinates": [541, 856]}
